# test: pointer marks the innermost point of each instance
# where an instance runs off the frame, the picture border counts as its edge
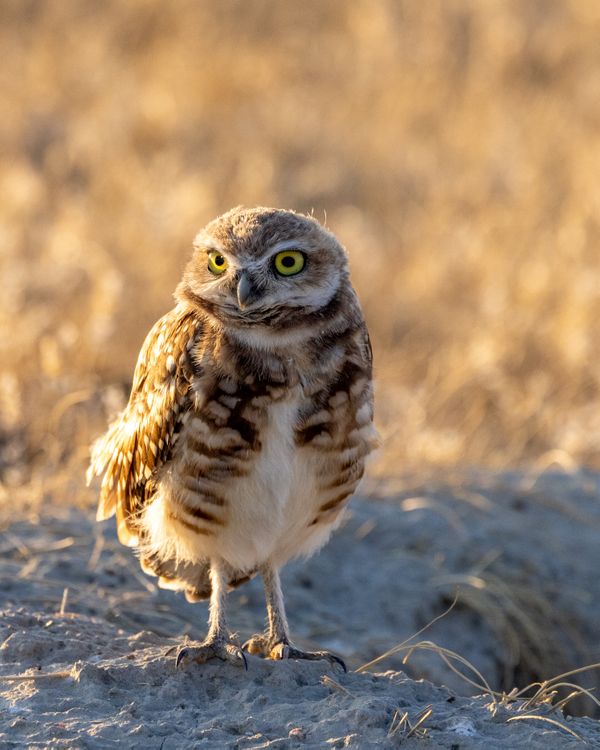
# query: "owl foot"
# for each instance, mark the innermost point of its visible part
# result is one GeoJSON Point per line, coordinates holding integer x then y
{"type": "Point", "coordinates": [214, 648]}
{"type": "Point", "coordinates": [261, 645]}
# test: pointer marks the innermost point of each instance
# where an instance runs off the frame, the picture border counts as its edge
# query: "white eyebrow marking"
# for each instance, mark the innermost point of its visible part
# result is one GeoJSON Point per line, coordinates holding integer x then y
{"type": "Point", "coordinates": [203, 239]}
{"type": "Point", "coordinates": [285, 245]}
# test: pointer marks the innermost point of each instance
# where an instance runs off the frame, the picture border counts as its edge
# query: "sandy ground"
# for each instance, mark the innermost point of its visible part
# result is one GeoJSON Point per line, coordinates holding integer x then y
{"type": "Point", "coordinates": [522, 551]}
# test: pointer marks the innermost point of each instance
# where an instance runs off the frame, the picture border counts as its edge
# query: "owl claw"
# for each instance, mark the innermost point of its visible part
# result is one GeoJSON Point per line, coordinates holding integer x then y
{"type": "Point", "coordinates": [181, 656]}
{"type": "Point", "coordinates": [285, 651]}
{"type": "Point", "coordinates": [213, 649]}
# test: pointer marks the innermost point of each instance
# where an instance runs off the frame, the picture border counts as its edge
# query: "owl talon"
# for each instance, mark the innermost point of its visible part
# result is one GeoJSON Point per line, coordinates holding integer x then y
{"type": "Point", "coordinates": [181, 656]}
{"type": "Point", "coordinates": [286, 651]}
{"type": "Point", "coordinates": [215, 649]}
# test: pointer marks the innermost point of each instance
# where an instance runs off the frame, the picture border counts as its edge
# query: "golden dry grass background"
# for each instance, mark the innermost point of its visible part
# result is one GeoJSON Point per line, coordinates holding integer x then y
{"type": "Point", "coordinates": [452, 145]}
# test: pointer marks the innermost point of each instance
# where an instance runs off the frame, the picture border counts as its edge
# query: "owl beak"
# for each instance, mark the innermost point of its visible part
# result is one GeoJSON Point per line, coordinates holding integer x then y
{"type": "Point", "coordinates": [246, 291]}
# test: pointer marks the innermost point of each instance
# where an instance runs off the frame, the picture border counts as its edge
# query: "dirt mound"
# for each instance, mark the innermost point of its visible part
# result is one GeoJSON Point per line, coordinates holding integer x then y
{"type": "Point", "coordinates": [522, 553]}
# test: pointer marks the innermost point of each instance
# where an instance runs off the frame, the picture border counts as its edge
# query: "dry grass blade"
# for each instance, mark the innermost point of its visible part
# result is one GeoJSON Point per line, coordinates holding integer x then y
{"type": "Point", "coordinates": [447, 656]}
{"type": "Point", "coordinates": [63, 603]}
{"type": "Point", "coordinates": [547, 690]}
{"type": "Point", "coordinates": [578, 690]}
{"type": "Point", "coordinates": [60, 544]}
{"type": "Point", "coordinates": [16, 543]}
{"type": "Point", "coordinates": [403, 645]}
{"type": "Point", "coordinates": [328, 682]}
{"type": "Point", "coordinates": [548, 720]}
{"type": "Point", "coordinates": [401, 722]}
{"type": "Point", "coordinates": [30, 567]}
{"type": "Point", "coordinates": [571, 672]}
{"type": "Point", "coordinates": [422, 717]}
{"type": "Point", "coordinates": [398, 722]}
{"type": "Point", "coordinates": [65, 403]}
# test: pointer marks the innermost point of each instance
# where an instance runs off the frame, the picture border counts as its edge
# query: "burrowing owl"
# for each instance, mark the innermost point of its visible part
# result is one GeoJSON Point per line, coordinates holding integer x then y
{"type": "Point", "coordinates": [249, 420]}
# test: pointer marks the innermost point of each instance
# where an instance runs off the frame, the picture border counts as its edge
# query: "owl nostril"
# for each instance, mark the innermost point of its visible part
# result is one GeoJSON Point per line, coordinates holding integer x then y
{"type": "Point", "coordinates": [247, 292]}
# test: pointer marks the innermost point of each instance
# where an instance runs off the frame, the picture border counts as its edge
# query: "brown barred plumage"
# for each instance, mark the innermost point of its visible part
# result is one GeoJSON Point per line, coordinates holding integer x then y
{"type": "Point", "coordinates": [249, 420]}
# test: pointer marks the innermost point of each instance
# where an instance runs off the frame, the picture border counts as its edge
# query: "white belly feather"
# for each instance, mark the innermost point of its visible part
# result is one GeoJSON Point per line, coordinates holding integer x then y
{"type": "Point", "coordinates": [269, 511]}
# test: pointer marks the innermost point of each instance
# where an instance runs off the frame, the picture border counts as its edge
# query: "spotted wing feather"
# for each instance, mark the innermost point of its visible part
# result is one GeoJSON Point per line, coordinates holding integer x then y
{"type": "Point", "coordinates": [141, 439]}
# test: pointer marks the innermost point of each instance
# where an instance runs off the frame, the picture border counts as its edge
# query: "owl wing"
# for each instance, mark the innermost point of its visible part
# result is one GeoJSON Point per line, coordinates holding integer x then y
{"type": "Point", "coordinates": [141, 439]}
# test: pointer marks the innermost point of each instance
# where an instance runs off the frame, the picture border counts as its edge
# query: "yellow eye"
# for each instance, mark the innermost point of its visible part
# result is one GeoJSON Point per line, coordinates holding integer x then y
{"type": "Point", "coordinates": [217, 263]}
{"type": "Point", "coordinates": [289, 262]}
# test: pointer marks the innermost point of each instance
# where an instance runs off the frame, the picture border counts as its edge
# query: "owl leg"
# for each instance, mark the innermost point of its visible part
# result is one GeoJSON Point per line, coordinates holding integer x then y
{"type": "Point", "coordinates": [217, 644]}
{"type": "Point", "coordinates": [275, 643]}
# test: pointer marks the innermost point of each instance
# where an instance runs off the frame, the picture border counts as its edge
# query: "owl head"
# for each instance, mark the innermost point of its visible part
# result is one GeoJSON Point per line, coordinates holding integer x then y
{"type": "Point", "coordinates": [265, 267]}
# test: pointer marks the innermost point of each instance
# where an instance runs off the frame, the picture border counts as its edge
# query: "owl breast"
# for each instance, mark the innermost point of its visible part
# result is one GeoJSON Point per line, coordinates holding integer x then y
{"type": "Point", "coordinates": [238, 487]}
{"type": "Point", "coordinates": [271, 506]}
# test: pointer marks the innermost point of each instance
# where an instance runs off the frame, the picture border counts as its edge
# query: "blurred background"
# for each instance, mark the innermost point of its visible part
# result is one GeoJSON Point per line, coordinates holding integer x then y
{"type": "Point", "coordinates": [453, 146]}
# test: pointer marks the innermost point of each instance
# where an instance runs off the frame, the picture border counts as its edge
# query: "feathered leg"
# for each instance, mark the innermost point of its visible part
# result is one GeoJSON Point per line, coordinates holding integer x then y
{"type": "Point", "coordinates": [217, 643]}
{"type": "Point", "coordinates": [276, 644]}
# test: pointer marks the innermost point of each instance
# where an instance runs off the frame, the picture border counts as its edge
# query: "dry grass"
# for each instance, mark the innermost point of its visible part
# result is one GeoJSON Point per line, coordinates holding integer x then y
{"type": "Point", "coordinates": [403, 728]}
{"type": "Point", "coordinates": [534, 636]}
{"type": "Point", "coordinates": [451, 145]}
{"type": "Point", "coordinates": [550, 696]}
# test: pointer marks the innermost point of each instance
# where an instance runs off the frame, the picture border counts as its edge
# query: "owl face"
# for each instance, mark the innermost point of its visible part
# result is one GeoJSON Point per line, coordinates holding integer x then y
{"type": "Point", "coordinates": [264, 267]}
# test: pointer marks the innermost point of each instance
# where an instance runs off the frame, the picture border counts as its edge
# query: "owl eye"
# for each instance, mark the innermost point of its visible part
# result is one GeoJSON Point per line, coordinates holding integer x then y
{"type": "Point", "coordinates": [217, 263]}
{"type": "Point", "coordinates": [289, 262]}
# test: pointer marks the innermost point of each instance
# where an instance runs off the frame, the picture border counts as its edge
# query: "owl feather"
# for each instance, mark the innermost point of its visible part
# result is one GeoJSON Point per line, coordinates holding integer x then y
{"type": "Point", "coordinates": [140, 441]}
